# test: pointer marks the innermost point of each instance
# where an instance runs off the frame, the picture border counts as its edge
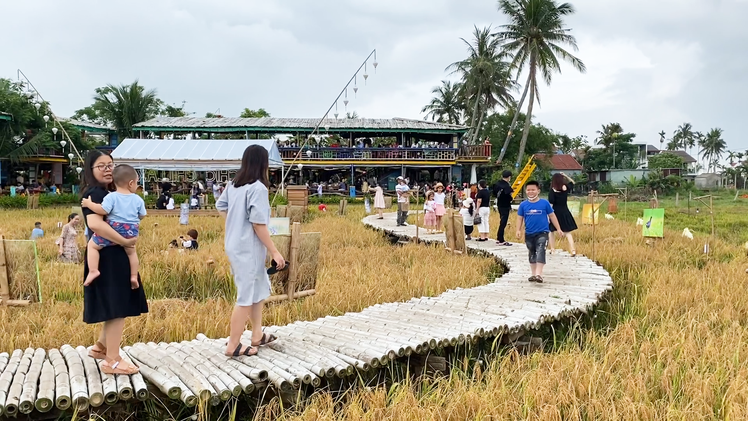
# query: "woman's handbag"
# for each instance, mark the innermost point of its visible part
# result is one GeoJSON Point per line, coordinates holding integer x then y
{"type": "Point", "coordinates": [477, 219]}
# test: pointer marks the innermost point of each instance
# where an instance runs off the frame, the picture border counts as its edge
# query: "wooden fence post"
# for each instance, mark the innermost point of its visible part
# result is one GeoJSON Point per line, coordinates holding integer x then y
{"type": "Point", "coordinates": [293, 260]}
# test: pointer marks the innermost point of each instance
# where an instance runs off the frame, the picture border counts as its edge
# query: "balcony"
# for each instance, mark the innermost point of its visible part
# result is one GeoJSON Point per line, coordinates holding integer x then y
{"type": "Point", "coordinates": [369, 154]}
{"type": "Point", "coordinates": [473, 153]}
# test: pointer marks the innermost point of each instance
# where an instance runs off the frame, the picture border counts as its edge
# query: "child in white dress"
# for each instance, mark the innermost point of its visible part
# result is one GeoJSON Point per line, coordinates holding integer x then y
{"type": "Point", "coordinates": [429, 220]}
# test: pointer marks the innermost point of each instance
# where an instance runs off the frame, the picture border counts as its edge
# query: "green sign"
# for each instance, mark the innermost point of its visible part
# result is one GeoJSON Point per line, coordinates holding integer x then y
{"type": "Point", "coordinates": [654, 223]}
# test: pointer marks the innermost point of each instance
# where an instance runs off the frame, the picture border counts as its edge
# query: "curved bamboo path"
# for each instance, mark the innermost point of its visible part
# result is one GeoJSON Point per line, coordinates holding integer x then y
{"type": "Point", "coordinates": [37, 381]}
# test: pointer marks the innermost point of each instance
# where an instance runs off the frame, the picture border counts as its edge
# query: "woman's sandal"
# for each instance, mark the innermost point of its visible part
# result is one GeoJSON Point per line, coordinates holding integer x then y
{"type": "Point", "coordinates": [98, 354]}
{"type": "Point", "coordinates": [573, 253]}
{"type": "Point", "coordinates": [266, 339]}
{"type": "Point", "coordinates": [119, 367]}
{"type": "Point", "coordinates": [238, 351]}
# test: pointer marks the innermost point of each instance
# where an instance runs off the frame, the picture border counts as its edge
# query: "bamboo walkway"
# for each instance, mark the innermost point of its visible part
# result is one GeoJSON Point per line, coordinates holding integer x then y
{"type": "Point", "coordinates": [37, 381]}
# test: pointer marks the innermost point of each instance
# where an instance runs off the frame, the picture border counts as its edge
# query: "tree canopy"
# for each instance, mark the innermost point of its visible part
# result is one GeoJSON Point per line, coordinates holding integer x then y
{"type": "Point", "coordinates": [665, 160]}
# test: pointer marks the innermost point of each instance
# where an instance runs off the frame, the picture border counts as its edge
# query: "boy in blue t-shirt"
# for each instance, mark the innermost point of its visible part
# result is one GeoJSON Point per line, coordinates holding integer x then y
{"type": "Point", "coordinates": [535, 213]}
{"type": "Point", "coordinates": [37, 232]}
{"type": "Point", "coordinates": [124, 209]}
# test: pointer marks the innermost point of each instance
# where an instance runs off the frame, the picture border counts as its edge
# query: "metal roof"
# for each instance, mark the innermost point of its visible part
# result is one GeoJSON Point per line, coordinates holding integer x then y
{"type": "Point", "coordinates": [292, 125]}
{"type": "Point", "coordinates": [87, 125]}
{"type": "Point", "coordinates": [197, 155]}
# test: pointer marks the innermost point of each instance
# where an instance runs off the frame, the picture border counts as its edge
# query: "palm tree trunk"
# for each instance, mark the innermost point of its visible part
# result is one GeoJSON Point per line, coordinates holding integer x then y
{"type": "Point", "coordinates": [526, 130]}
{"type": "Point", "coordinates": [514, 120]}
{"type": "Point", "coordinates": [480, 122]}
{"type": "Point", "coordinates": [475, 112]}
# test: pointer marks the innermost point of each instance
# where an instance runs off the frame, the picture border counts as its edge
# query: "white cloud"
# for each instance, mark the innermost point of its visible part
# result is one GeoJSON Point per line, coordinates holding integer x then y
{"type": "Point", "coordinates": [651, 65]}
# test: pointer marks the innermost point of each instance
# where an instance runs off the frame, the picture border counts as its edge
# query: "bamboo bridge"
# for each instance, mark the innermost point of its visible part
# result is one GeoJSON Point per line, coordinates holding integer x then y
{"type": "Point", "coordinates": [310, 354]}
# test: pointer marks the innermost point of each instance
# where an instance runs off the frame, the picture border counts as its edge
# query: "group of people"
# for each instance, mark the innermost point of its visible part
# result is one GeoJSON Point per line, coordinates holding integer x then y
{"type": "Point", "coordinates": [112, 213]}
{"type": "Point", "coordinates": [543, 220]}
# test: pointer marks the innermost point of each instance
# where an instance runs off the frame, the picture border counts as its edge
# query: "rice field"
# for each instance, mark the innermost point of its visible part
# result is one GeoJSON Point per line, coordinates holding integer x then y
{"type": "Point", "coordinates": [670, 343]}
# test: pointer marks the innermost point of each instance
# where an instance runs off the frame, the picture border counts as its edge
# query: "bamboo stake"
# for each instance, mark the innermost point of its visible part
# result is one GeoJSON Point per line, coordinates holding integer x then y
{"type": "Point", "coordinates": [4, 286]}
{"type": "Point", "coordinates": [145, 359]}
{"type": "Point", "coordinates": [297, 294]}
{"type": "Point", "coordinates": [95, 388]}
{"type": "Point", "coordinates": [30, 382]}
{"type": "Point", "coordinates": [293, 269]}
{"type": "Point", "coordinates": [62, 380]}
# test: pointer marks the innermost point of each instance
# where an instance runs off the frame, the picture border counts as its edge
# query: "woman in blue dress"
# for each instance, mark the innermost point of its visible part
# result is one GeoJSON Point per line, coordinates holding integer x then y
{"type": "Point", "coordinates": [246, 206]}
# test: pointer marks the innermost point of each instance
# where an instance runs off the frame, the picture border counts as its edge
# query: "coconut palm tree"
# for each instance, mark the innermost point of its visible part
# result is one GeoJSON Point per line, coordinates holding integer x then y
{"type": "Point", "coordinates": [126, 105]}
{"type": "Point", "coordinates": [712, 148]}
{"type": "Point", "coordinates": [445, 106]}
{"type": "Point", "coordinates": [684, 136]}
{"type": "Point", "coordinates": [483, 74]}
{"type": "Point", "coordinates": [534, 37]}
{"type": "Point", "coordinates": [662, 138]}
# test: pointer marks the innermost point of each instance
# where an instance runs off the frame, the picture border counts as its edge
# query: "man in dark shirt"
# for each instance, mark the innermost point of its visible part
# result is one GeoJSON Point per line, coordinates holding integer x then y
{"type": "Point", "coordinates": [503, 192]}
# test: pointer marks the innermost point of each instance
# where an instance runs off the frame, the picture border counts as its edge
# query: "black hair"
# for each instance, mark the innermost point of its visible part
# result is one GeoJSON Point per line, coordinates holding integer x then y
{"type": "Point", "coordinates": [72, 216]}
{"type": "Point", "coordinates": [192, 233]}
{"type": "Point", "coordinates": [89, 179]}
{"type": "Point", "coordinates": [482, 184]}
{"type": "Point", "coordinates": [506, 174]}
{"type": "Point", "coordinates": [254, 167]}
{"type": "Point", "coordinates": [533, 183]}
{"type": "Point", "coordinates": [37, 224]}
{"type": "Point", "coordinates": [123, 174]}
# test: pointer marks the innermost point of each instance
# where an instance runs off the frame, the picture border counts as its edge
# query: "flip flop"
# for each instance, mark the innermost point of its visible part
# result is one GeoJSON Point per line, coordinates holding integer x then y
{"type": "Point", "coordinates": [119, 368]}
{"type": "Point", "coordinates": [266, 339]}
{"type": "Point", "coordinates": [96, 354]}
{"type": "Point", "coordinates": [247, 351]}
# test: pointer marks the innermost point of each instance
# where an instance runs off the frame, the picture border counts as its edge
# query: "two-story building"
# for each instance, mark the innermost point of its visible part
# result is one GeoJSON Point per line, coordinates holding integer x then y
{"type": "Point", "coordinates": [350, 150]}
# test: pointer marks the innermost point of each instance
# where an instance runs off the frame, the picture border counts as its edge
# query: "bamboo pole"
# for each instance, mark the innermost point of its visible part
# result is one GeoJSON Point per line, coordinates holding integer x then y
{"type": "Point", "coordinates": [95, 388]}
{"type": "Point", "coordinates": [16, 386]}
{"type": "Point", "coordinates": [108, 385]}
{"type": "Point", "coordinates": [297, 294]}
{"type": "Point", "coordinates": [62, 380]}
{"type": "Point", "coordinates": [4, 286]}
{"type": "Point", "coordinates": [195, 381]}
{"type": "Point", "coordinates": [255, 374]}
{"type": "Point", "coordinates": [205, 383]}
{"type": "Point", "coordinates": [293, 269]}
{"type": "Point", "coordinates": [145, 358]}
{"type": "Point", "coordinates": [225, 387]}
{"type": "Point", "coordinates": [6, 378]}
{"type": "Point", "coordinates": [240, 381]}
{"type": "Point", "coordinates": [45, 398]}
{"type": "Point", "coordinates": [31, 381]}
{"type": "Point", "coordinates": [164, 383]}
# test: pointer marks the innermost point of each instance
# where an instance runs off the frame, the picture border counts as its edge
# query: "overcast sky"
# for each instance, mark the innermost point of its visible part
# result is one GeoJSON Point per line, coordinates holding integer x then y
{"type": "Point", "coordinates": [652, 65]}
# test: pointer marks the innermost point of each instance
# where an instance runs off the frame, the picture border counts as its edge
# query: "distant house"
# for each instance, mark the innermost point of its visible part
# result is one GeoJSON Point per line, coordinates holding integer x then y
{"type": "Point", "coordinates": [560, 163]}
{"type": "Point", "coordinates": [689, 161]}
{"type": "Point", "coordinates": [707, 181]}
{"type": "Point", "coordinates": [616, 177]}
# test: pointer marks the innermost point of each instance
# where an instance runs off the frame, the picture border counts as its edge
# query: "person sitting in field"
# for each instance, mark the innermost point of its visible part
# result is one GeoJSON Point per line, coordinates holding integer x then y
{"type": "Point", "coordinates": [37, 232]}
{"type": "Point", "coordinates": [189, 241]}
{"type": "Point", "coordinates": [124, 210]}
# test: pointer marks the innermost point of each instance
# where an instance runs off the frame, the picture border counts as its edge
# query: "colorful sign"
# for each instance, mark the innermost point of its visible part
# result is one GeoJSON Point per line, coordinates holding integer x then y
{"type": "Point", "coordinates": [654, 223]}
{"type": "Point", "coordinates": [587, 217]}
{"type": "Point", "coordinates": [280, 226]}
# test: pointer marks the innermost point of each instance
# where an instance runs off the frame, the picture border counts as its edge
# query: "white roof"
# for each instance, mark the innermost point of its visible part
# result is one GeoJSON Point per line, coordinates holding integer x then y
{"type": "Point", "coordinates": [193, 154]}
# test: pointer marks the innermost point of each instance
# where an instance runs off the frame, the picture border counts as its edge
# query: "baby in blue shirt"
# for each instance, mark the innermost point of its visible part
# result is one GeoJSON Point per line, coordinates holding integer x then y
{"type": "Point", "coordinates": [124, 209]}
